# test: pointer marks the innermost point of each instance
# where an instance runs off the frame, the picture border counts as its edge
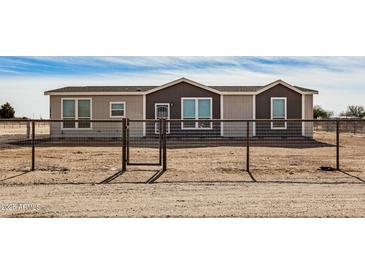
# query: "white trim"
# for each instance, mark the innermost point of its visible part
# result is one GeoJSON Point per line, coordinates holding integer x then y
{"type": "Point", "coordinates": [280, 82]}
{"type": "Point", "coordinates": [303, 114]}
{"type": "Point", "coordinates": [144, 115]}
{"type": "Point", "coordinates": [180, 81]}
{"type": "Point", "coordinates": [254, 115]}
{"type": "Point", "coordinates": [141, 93]}
{"type": "Point", "coordinates": [222, 114]}
{"type": "Point", "coordinates": [197, 113]}
{"type": "Point", "coordinates": [248, 93]}
{"type": "Point", "coordinates": [77, 113]}
{"type": "Point", "coordinates": [168, 116]}
{"type": "Point", "coordinates": [91, 93]}
{"type": "Point", "coordinates": [285, 111]}
{"type": "Point", "coordinates": [124, 110]}
{"type": "Point", "coordinates": [258, 92]}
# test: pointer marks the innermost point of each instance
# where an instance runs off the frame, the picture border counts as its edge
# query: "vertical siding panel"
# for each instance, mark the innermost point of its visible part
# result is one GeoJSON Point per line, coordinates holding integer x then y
{"type": "Point", "coordinates": [173, 95]}
{"type": "Point", "coordinates": [237, 107]}
{"type": "Point", "coordinates": [308, 114]}
{"type": "Point", "coordinates": [55, 113]}
{"type": "Point", "coordinates": [294, 111]}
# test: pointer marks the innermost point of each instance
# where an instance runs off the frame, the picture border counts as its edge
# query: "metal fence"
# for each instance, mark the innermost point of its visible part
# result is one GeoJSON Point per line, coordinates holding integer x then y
{"type": "Point", "coordinates": [86, 145]}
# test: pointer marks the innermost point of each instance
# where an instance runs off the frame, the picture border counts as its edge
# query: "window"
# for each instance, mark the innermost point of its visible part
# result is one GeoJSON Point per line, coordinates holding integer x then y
{"type": "Point", "coordinates": [84, 113]}
{"type": "Point", "coordinates": [196, 109]}
{"type": "Point", "coordinates": [69, 113]}
{"type": "Point", "coordinates": [76, 109]}
{"type": "Point", "coordinates": [278, 112]}
{"type": "Point", "coordinates": [189, 113]}
{"type": "Point", "coordinates": [117, 109]}
{"type": "Point", "coordinates": [204, 112]}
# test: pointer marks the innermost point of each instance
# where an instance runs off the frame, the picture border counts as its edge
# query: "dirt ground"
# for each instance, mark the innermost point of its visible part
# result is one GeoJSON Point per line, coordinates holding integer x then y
{"type": "Point", "coordinates": [199, 182]}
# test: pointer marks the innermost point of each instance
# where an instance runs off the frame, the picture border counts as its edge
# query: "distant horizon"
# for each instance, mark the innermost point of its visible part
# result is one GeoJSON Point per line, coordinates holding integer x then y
{"type": "Point", "coordinates": [339, 80]}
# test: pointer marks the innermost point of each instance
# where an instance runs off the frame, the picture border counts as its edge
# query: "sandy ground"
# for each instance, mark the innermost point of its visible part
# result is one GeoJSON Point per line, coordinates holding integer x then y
{"type": "Point", "coordinates": [199, 182]}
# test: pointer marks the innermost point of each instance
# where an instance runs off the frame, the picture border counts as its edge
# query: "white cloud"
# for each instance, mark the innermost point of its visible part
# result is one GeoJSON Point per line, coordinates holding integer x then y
{"type": "Point", "coordinates": [338, 88]}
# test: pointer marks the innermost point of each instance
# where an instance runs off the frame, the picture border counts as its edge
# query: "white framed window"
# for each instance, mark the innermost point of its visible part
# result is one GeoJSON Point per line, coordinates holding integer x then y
{"type": "Point", "coordinates": [76, 109]}
{"type": "Point", "coordinates": [117, 110]}
{"type": "Point", "coordinates": [196, 109]}
{"type": "Point", "coordinates": [278, 112]}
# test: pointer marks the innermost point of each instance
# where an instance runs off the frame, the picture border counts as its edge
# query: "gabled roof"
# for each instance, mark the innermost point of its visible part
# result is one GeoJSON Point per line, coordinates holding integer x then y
{"type": "Point", "coordinates": [258, 88]}
{"type": "Point", "coordinates": [142, 90]}
{"type": "Point", "coordinates": [180, 81]}
{"type": "Point", "coordinates": [281, 82]}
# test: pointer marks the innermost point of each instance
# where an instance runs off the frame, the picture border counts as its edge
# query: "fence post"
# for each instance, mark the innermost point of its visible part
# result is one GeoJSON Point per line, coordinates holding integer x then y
{"type": "Point", "coordinates": [124, 144]}
{"type": "Point", "coordinates": [355, 123]}
{"type": "Point", "coordinates": [160, 140]}
{"type": "Point", "coordinates": [338, 144]}
{"type": "Point", "coordinates": [164, 159]}
{"type": "Point", "coordinates": [33, 146]}
{"type": "Point", "coordinates": [128, 139]}
{"type": "Point", "coordinates": [28, 129]}
{"type": "Point", "coordinates": [248, 146]}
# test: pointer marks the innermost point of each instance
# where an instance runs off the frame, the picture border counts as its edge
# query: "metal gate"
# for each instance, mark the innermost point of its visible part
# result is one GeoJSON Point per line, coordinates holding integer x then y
{"type": "Point", "coordinates": [158, 136]}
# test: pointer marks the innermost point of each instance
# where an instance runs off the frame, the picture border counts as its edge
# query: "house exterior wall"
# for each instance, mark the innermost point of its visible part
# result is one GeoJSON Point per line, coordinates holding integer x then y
{"type": "Point", "coordinates": [237, 107]}
{"type": "Point", "coordinates": [308, 114]}
{"type": "Point", "coordinates": [232, 106]}
{"type": "Point", "coordinates": [173, 95]}
{"type": "Point", "coordinates": [100, 110]}
{"type": "Point", "coordinates": [294, 111]}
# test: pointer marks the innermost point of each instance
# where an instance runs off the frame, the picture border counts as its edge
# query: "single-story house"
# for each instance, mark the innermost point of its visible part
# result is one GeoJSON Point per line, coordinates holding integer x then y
{"type": "Point", "coordinates": [182, 99]}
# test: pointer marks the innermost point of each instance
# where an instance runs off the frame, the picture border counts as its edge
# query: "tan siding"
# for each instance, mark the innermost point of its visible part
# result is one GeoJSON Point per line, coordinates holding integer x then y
{"type": "Point", "coordinates": [308, 114]}
{"type": "Point", "coordinates": [100, 110]}
{"type": "Point", "coordinates": [237, 107]}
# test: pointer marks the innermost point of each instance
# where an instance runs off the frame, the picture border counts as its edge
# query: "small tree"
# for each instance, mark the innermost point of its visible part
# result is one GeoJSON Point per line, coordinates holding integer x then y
{"type": "Point", "coordinates": [355, 111]}
{"type": "Point", "coordinates": [320, 113]}
{"type": "Point", "coordinates": [7, 111]}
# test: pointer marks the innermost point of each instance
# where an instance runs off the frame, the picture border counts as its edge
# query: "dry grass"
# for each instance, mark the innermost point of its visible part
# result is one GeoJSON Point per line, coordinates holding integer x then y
{"type": "Point", "coordinates": [285, 182]}
{"type": "Point", "coordinates": [15, 131]}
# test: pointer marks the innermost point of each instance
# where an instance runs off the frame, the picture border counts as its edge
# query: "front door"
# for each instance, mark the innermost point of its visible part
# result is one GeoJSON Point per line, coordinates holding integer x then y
{"type": "Point", "coordinates": [162, 110]}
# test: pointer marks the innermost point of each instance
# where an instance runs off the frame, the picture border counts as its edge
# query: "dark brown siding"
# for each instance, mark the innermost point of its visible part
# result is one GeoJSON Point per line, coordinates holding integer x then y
{"type": "Point", "coordinates": [294, 111]}
{"type": "Point", "coordinates": [173, 95]}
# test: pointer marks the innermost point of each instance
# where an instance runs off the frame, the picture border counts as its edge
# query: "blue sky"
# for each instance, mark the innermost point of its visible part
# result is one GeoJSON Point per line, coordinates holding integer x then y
{"type": "Point", "coordinates": [97, 66]}
{"type": "Point", "coordinates": [340, 80]}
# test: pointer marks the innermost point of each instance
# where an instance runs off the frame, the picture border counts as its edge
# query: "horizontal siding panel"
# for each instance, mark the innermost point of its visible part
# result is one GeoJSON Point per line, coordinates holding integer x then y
{"type": "Point", "coordinates": [100, 110]}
